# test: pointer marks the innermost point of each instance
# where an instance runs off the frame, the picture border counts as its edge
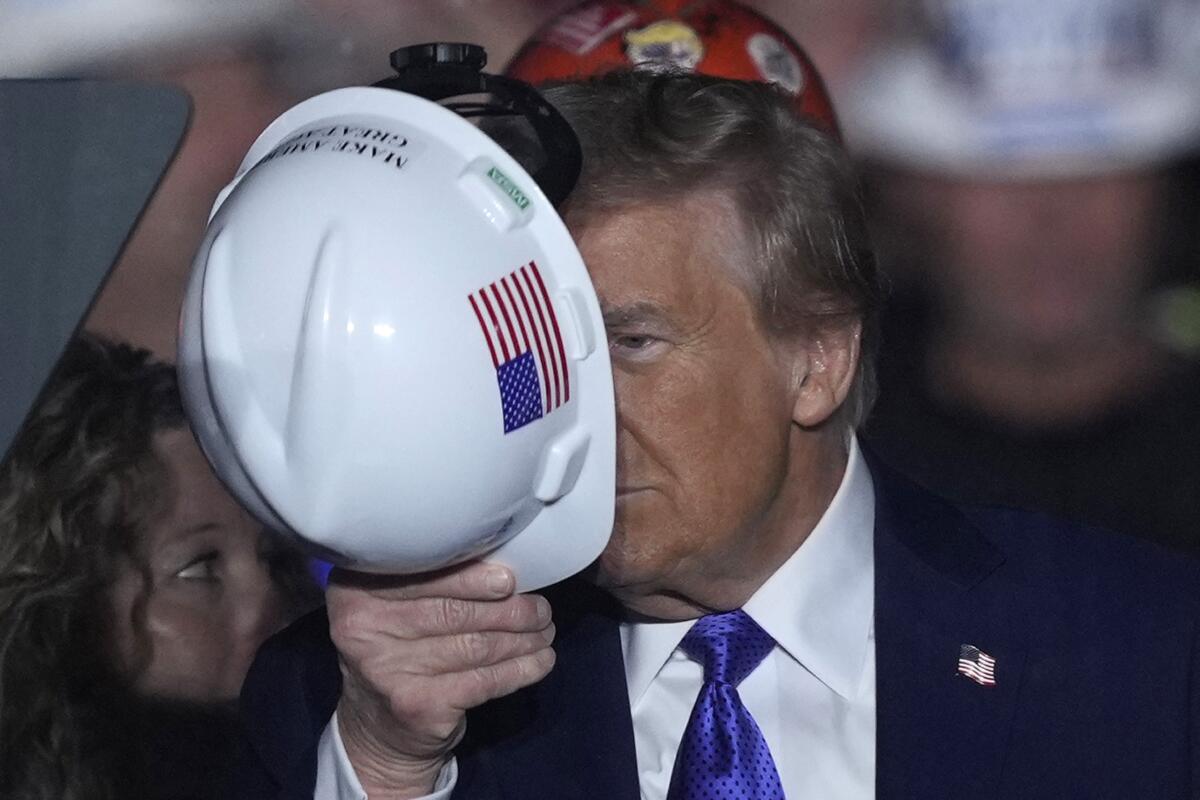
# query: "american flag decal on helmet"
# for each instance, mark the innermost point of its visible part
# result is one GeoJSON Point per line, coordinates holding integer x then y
{"type": "Point", "coordinates": [976, 665]}
{"type": "Point", "coordinates": [523, 338]}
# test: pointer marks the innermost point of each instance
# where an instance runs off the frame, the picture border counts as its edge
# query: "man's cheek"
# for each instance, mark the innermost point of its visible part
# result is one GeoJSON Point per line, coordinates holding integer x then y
{"type": "Point", "coordinates": [672, 401]}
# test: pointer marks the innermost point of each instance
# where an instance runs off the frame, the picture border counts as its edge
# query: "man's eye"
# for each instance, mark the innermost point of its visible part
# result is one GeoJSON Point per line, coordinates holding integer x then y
{"type": "Point", "coordinates": [631, 342]}
{"type": "Point", "coordinates": [202, 568]}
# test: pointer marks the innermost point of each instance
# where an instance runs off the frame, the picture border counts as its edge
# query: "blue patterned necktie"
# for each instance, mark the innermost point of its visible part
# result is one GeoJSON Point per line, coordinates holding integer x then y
{"type": "Point", "coordinates": [723, 754]}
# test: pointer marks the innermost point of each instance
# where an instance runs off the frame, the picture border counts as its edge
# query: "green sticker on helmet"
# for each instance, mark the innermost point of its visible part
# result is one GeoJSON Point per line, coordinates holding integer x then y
{"type": "Point", "coordinates": [515, 194]}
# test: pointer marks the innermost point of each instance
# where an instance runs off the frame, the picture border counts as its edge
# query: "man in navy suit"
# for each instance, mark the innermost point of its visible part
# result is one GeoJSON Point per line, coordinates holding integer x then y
{"type": "Point", "coordinates": [912, 648]}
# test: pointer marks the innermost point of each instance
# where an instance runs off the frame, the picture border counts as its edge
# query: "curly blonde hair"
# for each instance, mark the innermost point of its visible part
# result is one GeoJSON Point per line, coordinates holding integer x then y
{"type": "Point", "coordinates": [80, 484]}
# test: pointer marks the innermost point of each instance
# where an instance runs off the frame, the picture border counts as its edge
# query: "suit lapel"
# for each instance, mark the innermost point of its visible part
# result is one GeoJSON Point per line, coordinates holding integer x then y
{"type": "Point", "coordinates": [939, 733]}
{"type": "Point", "coordinates": [570, 737]}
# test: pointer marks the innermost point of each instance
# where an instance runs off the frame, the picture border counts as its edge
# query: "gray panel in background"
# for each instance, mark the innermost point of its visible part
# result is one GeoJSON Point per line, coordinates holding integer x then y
{"type": "Point", "coordinates": [79, 160]}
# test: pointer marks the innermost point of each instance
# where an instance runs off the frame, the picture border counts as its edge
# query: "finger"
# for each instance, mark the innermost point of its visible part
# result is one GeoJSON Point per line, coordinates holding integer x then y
{"type": "Point", "coordinates": [467, 651]}
{"type": "Point", "coordinates": [475, 580]}
{"type": "Point", "coordinates": [475, 687]}
{"type": "Point", "coordinates": [442, 616]}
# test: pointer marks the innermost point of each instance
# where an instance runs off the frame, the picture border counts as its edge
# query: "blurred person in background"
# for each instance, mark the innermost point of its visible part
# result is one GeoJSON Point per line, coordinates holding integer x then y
{"type": "Point", "coordinates": [133, 590]}
{"type": "Point", "coordinates": [1024, 160]}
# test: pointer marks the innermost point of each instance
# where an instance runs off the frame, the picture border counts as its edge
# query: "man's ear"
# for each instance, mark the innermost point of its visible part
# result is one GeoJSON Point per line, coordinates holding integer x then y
{"type": "Point", "coordinates": [824, 370]}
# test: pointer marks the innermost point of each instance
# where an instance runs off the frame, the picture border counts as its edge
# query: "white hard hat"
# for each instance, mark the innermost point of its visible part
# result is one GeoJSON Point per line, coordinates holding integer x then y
{"type": "Point", "coordinates": [1031, 88]}
{"type": "Point", "coordinates": [390, 346]}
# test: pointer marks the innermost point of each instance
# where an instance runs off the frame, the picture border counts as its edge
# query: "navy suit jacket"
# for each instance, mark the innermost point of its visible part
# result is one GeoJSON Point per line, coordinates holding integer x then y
{"type": "Point", "coordinates": [1097, 694]}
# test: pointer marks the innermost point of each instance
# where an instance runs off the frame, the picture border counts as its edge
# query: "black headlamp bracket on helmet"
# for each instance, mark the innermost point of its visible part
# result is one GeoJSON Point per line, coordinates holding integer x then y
{"type": "Point", "coordinates": [442, 70]}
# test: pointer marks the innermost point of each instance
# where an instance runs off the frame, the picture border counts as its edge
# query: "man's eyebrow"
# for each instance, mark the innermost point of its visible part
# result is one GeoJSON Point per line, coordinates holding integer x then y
{"type": "Point", "coordinates": [633, 314]}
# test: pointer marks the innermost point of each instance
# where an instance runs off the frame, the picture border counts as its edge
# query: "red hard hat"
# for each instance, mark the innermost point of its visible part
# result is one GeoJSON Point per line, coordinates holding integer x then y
{"type": "Point", "coordinates": [714, 37]}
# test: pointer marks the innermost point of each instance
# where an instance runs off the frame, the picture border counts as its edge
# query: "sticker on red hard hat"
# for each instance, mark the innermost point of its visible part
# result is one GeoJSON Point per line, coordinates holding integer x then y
{"type": "Point", "coordinates": [578, 32]}
{"type": "Point", "coordinates": [775, 62]}
{"type": "Point", "coordinates": [667, 43]}
{"type": "Point", "coordinates": [525, 344]}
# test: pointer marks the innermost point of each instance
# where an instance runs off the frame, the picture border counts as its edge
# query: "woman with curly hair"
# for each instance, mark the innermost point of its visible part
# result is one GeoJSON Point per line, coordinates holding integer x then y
{"type": "Point", "coordinates": [133, 590]}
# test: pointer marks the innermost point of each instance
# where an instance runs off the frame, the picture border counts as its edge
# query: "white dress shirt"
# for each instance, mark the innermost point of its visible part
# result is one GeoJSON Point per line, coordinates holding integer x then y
{"type": "Point", "coordinates": [813, 696]}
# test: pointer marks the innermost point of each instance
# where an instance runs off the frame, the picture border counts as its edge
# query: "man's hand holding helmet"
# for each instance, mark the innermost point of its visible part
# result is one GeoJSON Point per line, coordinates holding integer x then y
{"type": "Point", "coordinates": [416, 653]}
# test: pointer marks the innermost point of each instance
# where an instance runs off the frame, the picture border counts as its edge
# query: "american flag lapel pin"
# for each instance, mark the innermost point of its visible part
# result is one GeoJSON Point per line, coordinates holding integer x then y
{"type": "Point", "coordinates": [523, 338]}
{"type": "Point", "coordinates": [976, 665]}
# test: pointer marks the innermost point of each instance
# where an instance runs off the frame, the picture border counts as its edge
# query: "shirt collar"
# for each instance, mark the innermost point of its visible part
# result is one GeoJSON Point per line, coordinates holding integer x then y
{"type": "Point", "coordinates": [818, 606]}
